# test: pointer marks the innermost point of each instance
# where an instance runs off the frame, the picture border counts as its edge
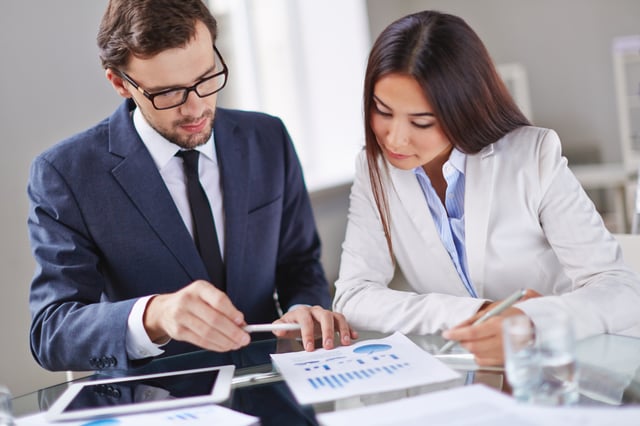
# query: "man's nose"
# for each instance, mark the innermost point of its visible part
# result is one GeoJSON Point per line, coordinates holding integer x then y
{"type": "Point", "coordinates": [194, 106]}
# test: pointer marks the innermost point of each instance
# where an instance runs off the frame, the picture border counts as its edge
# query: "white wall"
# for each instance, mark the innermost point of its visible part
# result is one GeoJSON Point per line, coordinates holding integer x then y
{"type": "Point", "coordinates": [52, 86]}
{"type": "Point", "coordinates": [304, 62]}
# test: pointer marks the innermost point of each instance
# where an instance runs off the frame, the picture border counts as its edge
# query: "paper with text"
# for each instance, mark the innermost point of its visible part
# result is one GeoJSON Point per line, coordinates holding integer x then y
{"type": "Point", "coordinates": [369, 366]}
{"type": "Point", "coordinates": [477, 405]}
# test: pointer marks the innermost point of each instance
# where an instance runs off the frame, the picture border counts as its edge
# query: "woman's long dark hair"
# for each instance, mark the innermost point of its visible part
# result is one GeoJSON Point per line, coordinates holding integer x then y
{"type": "Point", "coordinates": [451, 64]}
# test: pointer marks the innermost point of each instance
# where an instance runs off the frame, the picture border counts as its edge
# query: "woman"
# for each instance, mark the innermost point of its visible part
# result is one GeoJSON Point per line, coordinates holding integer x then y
{"type": "Point", "coordinates": [456, 190]}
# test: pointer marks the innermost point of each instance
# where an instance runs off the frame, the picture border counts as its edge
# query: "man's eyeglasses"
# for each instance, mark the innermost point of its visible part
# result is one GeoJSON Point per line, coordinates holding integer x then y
{"type": "Point", "coordinates": [176, 96]}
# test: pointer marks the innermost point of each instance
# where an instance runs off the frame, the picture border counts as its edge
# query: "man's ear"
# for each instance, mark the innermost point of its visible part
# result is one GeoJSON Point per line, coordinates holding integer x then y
{"type": "Point", "coordinates": [117, 82]}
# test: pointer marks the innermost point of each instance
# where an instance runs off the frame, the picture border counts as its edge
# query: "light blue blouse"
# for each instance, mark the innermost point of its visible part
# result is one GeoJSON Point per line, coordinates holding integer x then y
{"type": "Point", "coordinates": [449, 221]}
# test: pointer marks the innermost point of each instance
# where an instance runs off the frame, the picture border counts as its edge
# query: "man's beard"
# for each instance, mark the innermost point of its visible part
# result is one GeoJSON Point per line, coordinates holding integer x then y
{"type": "Point", "coordinates": [187, 141]}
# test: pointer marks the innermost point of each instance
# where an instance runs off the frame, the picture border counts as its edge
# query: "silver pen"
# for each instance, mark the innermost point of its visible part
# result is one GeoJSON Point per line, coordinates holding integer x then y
{"type": "Point", "coordinates": [498, 309]}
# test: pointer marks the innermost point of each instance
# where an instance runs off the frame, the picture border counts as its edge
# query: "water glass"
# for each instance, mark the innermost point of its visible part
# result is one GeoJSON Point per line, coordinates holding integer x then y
{"type": "Point", "coordinates": [555, 345]}
{"type": "Point", "coordinates": [522, 366]}
{"type": "Point", "coordinates": [540, 360]}
{"type": "Point", "coordinates": [6, 412]}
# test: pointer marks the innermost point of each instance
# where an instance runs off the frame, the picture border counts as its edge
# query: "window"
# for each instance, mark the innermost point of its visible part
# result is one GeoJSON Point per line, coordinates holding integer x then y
{"type": "Point", "coordinates": [304, 62]}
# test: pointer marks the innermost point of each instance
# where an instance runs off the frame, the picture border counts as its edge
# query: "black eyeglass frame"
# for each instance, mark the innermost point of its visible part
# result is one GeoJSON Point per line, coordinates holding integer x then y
{"type": "Point", "coordinates": [187, 90]}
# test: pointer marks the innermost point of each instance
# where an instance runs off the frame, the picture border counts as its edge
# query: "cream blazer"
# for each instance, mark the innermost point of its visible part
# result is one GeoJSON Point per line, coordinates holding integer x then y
{"type": "Point", "coordinates": [528, 224]}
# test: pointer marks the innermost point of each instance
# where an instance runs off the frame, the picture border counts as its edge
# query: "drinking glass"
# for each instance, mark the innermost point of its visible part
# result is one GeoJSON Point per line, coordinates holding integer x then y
{"type": "Point", "coordinates": [522, 366]}
{"type": "Point", "coordinates": [555, 344]}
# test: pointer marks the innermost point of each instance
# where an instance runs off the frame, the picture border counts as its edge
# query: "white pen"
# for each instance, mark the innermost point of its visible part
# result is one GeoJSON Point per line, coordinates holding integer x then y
{"type": "Point", "coordinates": [254, 328]}
{"type": "Point", "coordinates": [498, 309]}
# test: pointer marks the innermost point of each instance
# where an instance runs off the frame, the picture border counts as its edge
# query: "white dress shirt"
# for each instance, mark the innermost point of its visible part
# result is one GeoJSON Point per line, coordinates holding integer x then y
{"type": "Point", "coordinates": [170, 167]}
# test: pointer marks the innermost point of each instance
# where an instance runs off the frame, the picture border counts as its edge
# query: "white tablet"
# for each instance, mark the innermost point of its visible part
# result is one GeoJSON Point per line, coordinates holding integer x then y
{"type": "Point", "coordinates": [123, 395]}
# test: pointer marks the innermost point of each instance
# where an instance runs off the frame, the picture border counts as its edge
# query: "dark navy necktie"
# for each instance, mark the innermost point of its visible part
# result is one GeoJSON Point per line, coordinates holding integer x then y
{"type": "Point", "coordinates": [204, 229]}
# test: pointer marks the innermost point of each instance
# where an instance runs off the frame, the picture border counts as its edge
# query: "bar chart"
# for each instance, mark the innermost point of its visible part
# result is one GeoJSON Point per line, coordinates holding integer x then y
{"type": "Point", "coordinates": [366, 367]}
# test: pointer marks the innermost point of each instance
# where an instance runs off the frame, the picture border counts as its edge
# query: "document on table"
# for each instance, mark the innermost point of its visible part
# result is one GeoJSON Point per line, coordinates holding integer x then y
{"type": "Point", "coordinates": [369, 366]}
{"type": "Point", "coordinates": [199, 415]}
{"type": "Point", "coordinates": [476, 405]}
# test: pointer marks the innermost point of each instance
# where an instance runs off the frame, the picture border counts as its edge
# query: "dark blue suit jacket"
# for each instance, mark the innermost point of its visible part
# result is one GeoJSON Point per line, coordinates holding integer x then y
{"type": "Point", "coordinates": [104, 228]}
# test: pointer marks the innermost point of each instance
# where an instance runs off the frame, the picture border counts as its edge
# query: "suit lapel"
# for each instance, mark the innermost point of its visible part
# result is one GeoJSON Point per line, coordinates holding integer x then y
{"type": "Point", "coordinates": [232, 149]}
{"type": "Point", "coordinates": [479, 188]}
{"type": "Point", "coordinates": [138, 176]}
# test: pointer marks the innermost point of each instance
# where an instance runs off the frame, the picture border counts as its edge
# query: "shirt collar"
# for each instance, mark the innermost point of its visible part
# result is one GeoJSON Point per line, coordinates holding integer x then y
{"type": "Point", "coordinates": [160, 148]}
{"type": "Point", "coordinates": [457, 160]}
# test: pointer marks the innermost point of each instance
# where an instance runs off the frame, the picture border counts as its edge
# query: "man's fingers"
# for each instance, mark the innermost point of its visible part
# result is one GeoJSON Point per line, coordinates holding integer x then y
{"type": "Point", "coordinates": [204, 316]}
{"type": "Point", "coordinates": [307, 332]}
{"type": "Point", "coordinates": [312, 318]}
{"type": "Point", "coordinates": [346, 333]}
{"type": "Point", "coordinates": [198, 331]}
{"type": "Point", "coordinates": [219, 301]}
{"type": "Point", "coordinates": [324, 319]}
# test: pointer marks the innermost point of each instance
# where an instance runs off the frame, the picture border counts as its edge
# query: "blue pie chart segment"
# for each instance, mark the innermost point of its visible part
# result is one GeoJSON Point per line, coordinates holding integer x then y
{"type": "Point", "coordinates": [102, 422]}
{"type": "Point", "coordinates": [369, 349]}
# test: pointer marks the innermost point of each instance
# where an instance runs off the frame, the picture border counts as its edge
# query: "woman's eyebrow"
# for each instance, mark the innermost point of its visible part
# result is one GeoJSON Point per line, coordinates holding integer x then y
{"type": "Point", "coordinates": [416, 114]}
{"type": "Point", "coordinates": [377, 99]}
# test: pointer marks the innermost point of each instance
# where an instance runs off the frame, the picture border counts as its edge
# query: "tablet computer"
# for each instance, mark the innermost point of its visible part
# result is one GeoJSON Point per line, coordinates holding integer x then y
{"type": "Point", "coordinates": [133, 394]}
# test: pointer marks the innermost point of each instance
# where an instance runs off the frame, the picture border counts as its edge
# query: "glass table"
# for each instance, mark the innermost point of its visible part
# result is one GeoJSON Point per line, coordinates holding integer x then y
{"type": "Point", "coordinates": [609, 365]}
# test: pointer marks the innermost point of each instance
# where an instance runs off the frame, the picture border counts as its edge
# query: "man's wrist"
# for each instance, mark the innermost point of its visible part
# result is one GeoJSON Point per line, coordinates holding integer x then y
{"type": "Point", "coordinates": [138, 343]}
{"type": "Point", "coordinates": [151, 324]}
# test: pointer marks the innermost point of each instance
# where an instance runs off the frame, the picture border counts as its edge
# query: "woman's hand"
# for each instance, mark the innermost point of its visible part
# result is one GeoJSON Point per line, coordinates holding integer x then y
{"type": "Point", "coordinates": [484, 340]}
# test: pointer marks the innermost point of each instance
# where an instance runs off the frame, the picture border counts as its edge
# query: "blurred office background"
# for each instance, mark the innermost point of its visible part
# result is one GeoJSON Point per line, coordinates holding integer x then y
{"type": "Point", "coordinates": [303, 61]}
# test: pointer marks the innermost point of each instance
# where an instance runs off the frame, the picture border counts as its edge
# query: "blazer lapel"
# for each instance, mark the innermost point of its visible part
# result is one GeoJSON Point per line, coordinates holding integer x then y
{"type": "Point", "coordinates": [406, 186]}
{"type": "Point", "coordinates": [138, 176]}
{"type": "Point", "coordinates": [479, 185]}
{"type": "Point", "coordinates": [232, 150]}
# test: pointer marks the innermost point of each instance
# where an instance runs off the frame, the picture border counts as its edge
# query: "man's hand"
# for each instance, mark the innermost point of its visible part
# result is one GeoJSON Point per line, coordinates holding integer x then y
{"type": "Point", "coordinates": [484, 340]}
{"type": "Point", "coordinates": [199, 314]}
{"type": "Point", "coordinates": [312, 318]}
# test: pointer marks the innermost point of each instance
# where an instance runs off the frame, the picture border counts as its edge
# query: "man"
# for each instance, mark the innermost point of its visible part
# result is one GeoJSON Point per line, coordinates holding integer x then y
{"type": "Point", "coordinates": [112, 221]}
